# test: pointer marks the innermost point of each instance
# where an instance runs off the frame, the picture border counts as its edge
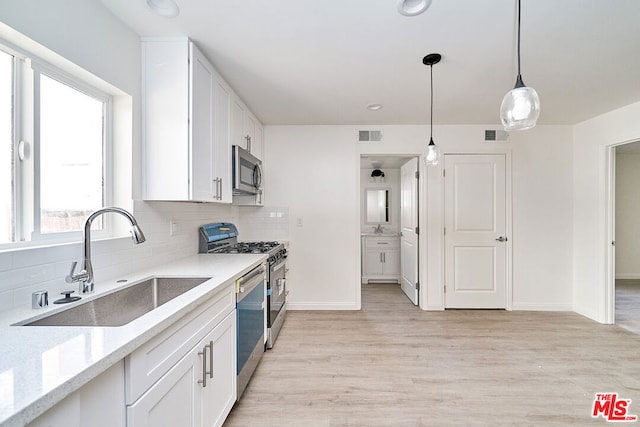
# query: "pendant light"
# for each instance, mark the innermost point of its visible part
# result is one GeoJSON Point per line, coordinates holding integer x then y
{"type": "Point", "coordinates": [521, 106]}
{"type": "Point", "coordinates": [433, 152]}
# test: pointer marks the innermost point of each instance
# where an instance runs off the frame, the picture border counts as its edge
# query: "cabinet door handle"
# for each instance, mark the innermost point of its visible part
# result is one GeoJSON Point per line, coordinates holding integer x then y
{"type": "Point", "coordinates": [218, 191]}
{"type": "Point", "coordinates": [210, 359]}
{"type": "Point", "coordinates": [203, 353]}
{"type": "Point", "coordinates": [384, 257]}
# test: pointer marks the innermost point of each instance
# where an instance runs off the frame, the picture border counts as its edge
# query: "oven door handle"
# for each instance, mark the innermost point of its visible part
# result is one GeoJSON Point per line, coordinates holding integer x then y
{"type": "Point", "coordinates": [279, 266]}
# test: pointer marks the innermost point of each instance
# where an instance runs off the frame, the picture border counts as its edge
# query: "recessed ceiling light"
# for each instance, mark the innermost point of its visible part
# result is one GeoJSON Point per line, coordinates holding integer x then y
{"type": "Point", "coordinates": [374, 107]}
{"type": "Point", "coordinates": [166, 8]}
{"type": "Point", "coordinates": [413, 7]}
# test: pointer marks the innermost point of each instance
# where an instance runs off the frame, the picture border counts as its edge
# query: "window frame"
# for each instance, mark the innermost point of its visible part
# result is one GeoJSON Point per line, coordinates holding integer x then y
{"type": "Point", "coordinates": [27, 69]}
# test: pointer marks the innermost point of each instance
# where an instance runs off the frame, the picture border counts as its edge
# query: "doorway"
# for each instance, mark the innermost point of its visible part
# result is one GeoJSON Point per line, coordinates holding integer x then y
{"type": "Point", "coordinates": [626, 232]}
{"type": "Point", "coordinates": [389, 206]}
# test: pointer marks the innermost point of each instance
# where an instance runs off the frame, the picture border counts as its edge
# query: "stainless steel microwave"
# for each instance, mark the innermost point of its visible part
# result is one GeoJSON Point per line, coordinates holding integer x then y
{"type": "Point", "coordinates": [247, 172]}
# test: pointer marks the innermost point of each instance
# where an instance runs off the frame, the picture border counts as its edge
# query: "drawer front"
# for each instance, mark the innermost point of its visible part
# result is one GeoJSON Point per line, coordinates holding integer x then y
{"type": "Point", "coordinates": [153, 359]}
{"type": "Point", "coordinates": [382, 243]}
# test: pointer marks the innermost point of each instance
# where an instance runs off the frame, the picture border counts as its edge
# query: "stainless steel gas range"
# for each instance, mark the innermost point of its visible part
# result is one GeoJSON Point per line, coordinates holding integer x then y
{"type": "Point", "coordinates": [222, 237]}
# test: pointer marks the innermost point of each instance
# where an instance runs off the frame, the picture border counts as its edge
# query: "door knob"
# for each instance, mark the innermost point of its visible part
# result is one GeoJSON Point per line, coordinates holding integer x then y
{"type": "Point", "coordinates": [501, 239]}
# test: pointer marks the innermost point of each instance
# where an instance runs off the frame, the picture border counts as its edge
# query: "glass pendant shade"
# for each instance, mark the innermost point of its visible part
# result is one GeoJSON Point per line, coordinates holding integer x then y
{"type": "Point", "coordinates": [520, 108]}
{"type": "Point", "coordinates": [433, 154]}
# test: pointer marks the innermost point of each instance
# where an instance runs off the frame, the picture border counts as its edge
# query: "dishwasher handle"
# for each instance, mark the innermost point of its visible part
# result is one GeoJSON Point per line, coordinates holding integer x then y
{"type": "Point", "coordinates": [246, 283]}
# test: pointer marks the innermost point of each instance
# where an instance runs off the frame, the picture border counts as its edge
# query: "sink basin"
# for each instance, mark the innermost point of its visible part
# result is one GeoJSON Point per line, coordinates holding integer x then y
{"type": "Point", "coordinates": [121, 307]}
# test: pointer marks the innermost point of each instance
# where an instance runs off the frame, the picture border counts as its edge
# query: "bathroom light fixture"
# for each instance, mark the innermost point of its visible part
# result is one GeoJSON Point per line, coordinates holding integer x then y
{"type": "Point", "coordinates": [166, 8]}
{"type": "Point", "coordinates": [413, 7]}
{"type": "Point", "coordinates": [433, 152]}
{"type": "Point", "coordinates": [520, 107]}
{"type": "Point", "coordinates": [374, 107]}
{"type": "Point", "coordinates": [377, 175]}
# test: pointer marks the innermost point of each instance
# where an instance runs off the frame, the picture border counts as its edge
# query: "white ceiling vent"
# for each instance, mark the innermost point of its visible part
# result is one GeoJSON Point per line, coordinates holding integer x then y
{"type": "Point", "coordinates": [369, 136]}
{"type": "Point", "coordinates": [491, 135]}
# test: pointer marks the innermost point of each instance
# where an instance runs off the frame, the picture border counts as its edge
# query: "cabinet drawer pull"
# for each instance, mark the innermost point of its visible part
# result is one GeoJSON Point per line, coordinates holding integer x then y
{"type": "Point", "coordinates": [210, 359]}
{"type": "Point", "coordinates": [203, 353]}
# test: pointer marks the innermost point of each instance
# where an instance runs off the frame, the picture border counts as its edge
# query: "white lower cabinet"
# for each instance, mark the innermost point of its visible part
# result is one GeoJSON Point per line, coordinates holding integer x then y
{"type": "Point", "coordinates": [219, 396]}
{"type": "Point", "coordinates": [186, 376]}
{"type": "Point", "coordinates": [380, 259]}
{"type": "Point", "coordinates": [199, 390]}
{"type": "Point", "coordinates": [99, 403]}
{"type": "Point", "coordinates": [183, 377]}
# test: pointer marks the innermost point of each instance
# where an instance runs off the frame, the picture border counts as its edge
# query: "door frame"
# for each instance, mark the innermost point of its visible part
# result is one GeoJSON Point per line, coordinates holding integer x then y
{"type": "Point", "coordinates": [436, 217]}
{"type": "Point", "coordinates": [422, 237]}
{"type": "Point", "coordinates": [609, 287]}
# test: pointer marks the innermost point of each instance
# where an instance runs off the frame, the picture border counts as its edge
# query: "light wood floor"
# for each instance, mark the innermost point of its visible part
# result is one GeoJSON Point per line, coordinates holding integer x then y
{"type": "Point", "coordinates": [628, 304]}
{"type": "Point", "coordinates": [391, 364]}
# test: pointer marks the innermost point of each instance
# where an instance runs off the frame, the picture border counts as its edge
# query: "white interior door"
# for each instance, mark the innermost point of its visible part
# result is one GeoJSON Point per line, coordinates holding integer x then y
{"type": "Point", "coordinates": [475, 231]}
{"type": "Point", "coordinates": [409, 228]}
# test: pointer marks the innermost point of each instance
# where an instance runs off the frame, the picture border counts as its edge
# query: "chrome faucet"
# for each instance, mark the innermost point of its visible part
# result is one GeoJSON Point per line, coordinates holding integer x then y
{"type": "Point", "coordinates": [378, 229]}
{"type": "Point", "coordinates": [85, 276]}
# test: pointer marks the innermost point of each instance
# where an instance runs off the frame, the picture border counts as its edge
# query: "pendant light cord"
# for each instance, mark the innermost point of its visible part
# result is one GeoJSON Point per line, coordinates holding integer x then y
{"type": "Point", "coordinates": [518, 38]}
{"type": "Point", "coordinates": [431, 111]}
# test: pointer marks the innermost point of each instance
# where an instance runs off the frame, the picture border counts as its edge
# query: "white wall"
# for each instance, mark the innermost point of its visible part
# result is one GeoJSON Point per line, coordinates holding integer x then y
{"type": "Point", "coordinates": [391, 182]}
{"type": "Point", "coordinates": [590, 246]}
{"type": "Point", "coordinates": [627, 216]}
{"type": "Point", "coordinates": [316, 169]}
{"type": "Point", "coordinates": [313, 172]}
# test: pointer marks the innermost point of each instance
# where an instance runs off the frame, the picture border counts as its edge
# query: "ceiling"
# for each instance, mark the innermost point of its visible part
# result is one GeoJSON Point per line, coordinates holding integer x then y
{"type": "Point", "coordinates": [383, 162]}
{"type": "Point", "coordinates": [322, 62]}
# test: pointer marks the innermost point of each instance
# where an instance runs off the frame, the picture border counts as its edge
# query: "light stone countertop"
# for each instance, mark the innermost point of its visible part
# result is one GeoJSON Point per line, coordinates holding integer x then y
{"type": "Point", "coordinates": [41, 365]}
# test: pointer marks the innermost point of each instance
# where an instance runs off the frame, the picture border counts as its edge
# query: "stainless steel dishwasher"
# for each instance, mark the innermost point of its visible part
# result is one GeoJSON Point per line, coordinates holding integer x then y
{"type": "Point", "coordinates": [250, 312]}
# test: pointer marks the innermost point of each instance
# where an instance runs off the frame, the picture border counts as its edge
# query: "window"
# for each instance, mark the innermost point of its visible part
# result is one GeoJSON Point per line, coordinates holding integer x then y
{"type": "Point", "coordinates": [71, 156]}
{"type": "Point", "coordinates": [6, 147]}
{"type": "Point", "coordinates": [54, 151]}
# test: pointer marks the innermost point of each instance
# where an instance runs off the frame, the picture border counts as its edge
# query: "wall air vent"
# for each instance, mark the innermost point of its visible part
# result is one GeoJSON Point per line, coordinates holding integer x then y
{"type": "Point", "coordinates": [491, 135]}
{"type": "Point", "coordinates": [369, 136]}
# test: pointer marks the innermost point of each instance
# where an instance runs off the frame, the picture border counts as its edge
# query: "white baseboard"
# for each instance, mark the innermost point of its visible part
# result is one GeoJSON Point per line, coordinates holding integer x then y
{"type": "Point", "coordinates": [542, 307]}
{"type": "Point", "coordinates": [627, 275]}
{"type": "Point", "coordinates": [322, 306]}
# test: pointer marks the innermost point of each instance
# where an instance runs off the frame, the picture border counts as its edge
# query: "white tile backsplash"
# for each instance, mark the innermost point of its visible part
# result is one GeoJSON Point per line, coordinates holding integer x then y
{"type": "Point", "coordinates": [6, 300]}
{"type": "Point", "coordinates": [266, 223]}
{"type": "Point", "coordinates": [6, 261]}
{"type": "Point", "coordinates": [26, 270]}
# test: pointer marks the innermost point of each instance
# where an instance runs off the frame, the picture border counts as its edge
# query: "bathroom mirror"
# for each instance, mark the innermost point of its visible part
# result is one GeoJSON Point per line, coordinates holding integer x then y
{"type": "Point", "coordinates": [377, 203]}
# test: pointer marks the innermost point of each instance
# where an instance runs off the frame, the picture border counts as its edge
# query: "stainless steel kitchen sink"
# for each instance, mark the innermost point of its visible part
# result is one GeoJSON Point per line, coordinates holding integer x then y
{"type": "Point", "coordinates": [121, 307]}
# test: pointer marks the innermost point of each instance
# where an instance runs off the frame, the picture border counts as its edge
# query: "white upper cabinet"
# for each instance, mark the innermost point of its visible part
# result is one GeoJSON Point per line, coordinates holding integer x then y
{"type": "Point", "coordinates": [222, 139]}
{"type": "Point", "coordinates": [246, 130]}
{"type": "Point", "coordinates": [185, 116]}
